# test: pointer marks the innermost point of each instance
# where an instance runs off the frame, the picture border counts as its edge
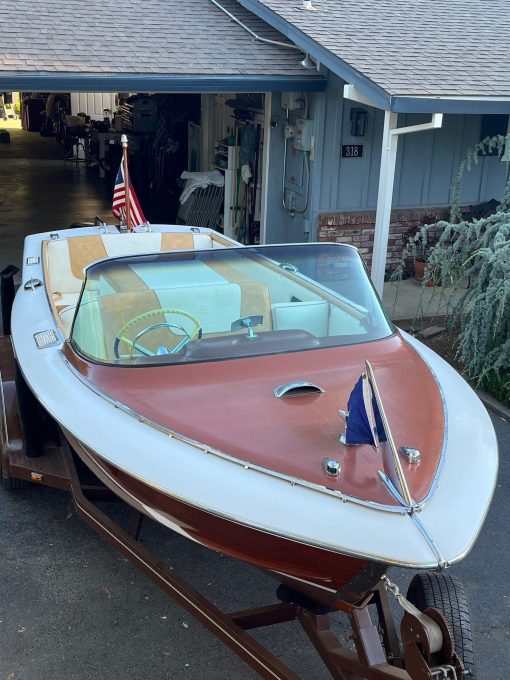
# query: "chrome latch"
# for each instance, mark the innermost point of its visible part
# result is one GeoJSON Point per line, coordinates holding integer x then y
{"type": "Point", "coordinates": [32, 284]}
{"type": "Point", "coordinates": [411, 455]}
{"type": "Point", "coordinates": [288, 267]}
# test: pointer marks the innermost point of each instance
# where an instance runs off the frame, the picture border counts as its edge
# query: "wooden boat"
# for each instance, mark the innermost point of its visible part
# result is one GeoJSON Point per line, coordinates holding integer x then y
{"type": "Point", "coordinates": [202, 382]}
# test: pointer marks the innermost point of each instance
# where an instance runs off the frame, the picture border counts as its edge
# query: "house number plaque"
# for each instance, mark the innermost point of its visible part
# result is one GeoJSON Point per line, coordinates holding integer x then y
{"type": "Point", "coordinates": [352, 150]}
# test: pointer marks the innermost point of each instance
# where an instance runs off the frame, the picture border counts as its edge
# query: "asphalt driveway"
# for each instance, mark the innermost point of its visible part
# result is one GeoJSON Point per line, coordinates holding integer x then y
{"type": "Point", "coordinates": [71, 608]}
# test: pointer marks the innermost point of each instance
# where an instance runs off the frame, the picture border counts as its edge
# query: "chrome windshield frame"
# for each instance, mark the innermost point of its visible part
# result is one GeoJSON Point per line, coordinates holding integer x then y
{"type": "Point", "coordinates": [265, 252]}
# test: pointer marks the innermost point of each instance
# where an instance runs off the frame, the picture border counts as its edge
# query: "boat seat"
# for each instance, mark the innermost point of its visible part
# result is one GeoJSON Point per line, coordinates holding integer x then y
{"type": "Point", "coordinates": [216, 306]}
{"type": "Point", "coordinates": [65, 260]}
{"type": "Point", "coordinates": [311, 316]}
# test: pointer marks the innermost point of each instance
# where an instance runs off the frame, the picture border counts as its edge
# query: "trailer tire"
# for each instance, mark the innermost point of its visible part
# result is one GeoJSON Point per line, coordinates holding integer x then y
{"type": "Point", "coordinates": [446, 593]}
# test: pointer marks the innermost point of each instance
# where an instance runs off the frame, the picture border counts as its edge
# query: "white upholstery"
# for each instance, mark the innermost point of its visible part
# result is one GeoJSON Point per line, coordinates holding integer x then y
{"type": "Point", "coordinates": [341, 323]}
{"type": "Point", "coordinates": [310, 316]}
{"type": "Point", "coordinates": [216, 310]}
{"type": "Point", "coordinates": [59, 268]}
{"type": "Point", "coordinates": [65, 299]}
{"type": "Point", "coordinates": [66, 317]}
{"type": "Point", "coordinates": [130, 244]}
{"type": "Point", "coordinates": [216, 306]}
{"type": "Point", "coordinates": [177, 274]}
{"type": "Point", "coordinates": [218, 244]}
{"type": "Point", "coordinates": [202, 242]}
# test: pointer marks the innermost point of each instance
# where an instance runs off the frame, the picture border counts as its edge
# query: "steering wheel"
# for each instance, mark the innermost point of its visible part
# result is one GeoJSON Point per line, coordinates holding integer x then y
{"type": "Point", "coordinates": [134, 344]}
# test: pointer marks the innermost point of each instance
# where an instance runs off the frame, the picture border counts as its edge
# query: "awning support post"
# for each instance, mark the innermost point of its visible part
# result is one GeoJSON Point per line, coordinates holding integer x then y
{"type": "Point", "coordinates": [385, 194]}
{"type": "Point", "coordinates": [384, 198]}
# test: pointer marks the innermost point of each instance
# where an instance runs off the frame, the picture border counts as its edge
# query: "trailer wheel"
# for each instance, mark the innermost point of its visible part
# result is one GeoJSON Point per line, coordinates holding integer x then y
{"type": "Point", "coordinates": [446, 593]}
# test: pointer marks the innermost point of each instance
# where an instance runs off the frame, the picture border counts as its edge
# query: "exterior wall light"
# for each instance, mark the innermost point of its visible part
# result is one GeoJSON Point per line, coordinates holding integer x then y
{"type": "Point", "coordinates": [358, 122]}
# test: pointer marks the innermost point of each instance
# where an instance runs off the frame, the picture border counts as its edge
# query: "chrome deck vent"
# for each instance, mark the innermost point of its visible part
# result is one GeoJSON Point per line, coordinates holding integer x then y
{"type": "Point", "coordinates": [45, 339]}
{"type": "Point", "coordinates": [331, 467]}
{"type": "Point", "coordinates": [299, 388]}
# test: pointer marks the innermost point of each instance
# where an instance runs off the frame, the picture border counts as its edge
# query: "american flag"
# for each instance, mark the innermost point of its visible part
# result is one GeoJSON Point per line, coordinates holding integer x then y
{"type": "Point", "coordinates": [119, 201]}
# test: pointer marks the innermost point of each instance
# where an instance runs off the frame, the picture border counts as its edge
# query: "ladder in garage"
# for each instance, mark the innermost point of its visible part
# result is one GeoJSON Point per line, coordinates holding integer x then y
{"type": "Point", "coordinates": [7, 109]}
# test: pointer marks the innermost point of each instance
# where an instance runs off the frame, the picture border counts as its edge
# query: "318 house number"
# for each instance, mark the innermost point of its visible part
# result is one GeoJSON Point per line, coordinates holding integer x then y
{"type": "Point", "coordinates": [352, 150]}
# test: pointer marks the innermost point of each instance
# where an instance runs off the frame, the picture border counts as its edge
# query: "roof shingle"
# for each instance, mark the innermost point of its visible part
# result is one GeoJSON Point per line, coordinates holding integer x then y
{"type": "Point", "coordinates": [169, 38]}
{"type": "Point", "coordinates": [412, 47]}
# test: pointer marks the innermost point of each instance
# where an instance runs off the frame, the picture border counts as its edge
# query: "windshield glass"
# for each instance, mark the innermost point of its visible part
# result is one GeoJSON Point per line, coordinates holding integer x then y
{"type": "Point", "coordinates": [183, 306]}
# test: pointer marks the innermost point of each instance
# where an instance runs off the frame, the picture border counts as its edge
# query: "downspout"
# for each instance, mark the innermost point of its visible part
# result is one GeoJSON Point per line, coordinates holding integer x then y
{"type": "Point", "coordinates": [254, 35]}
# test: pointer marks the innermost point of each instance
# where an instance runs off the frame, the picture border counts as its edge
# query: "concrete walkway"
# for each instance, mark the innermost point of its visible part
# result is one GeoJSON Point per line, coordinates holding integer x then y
{"type": "Point", "coordinates": [408, 299]}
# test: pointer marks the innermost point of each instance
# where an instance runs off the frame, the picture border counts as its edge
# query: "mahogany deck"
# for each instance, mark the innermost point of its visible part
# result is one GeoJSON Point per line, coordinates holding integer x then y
{"type": "Point", "coordinates": [230, 406]}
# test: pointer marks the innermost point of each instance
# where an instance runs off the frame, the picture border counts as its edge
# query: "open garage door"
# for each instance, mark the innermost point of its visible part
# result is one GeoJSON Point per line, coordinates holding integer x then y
{"type": "Point", "coordinates": [186, 60]}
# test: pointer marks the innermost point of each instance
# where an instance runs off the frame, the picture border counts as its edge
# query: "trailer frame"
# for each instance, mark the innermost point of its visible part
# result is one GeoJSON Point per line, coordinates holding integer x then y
{"type": "Point", "coordinates": [378, 652]}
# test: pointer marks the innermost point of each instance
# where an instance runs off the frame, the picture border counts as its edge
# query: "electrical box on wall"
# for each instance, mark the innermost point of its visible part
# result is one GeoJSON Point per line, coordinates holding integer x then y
{"type": "Point", "coordinates": [303, 134]}
{"type": "Point", "coordinates": [289, 131]}
{"type": "Point", "coordinates": [291, 101]}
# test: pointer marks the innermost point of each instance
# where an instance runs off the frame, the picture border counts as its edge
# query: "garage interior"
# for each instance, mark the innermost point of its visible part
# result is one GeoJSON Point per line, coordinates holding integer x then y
{"type": "Point", "coordinates": [63, 153]}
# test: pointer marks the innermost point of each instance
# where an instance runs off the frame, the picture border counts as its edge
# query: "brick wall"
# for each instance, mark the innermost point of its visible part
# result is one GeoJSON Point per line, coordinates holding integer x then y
{"type": "Point", "coordinates": [357, 228]}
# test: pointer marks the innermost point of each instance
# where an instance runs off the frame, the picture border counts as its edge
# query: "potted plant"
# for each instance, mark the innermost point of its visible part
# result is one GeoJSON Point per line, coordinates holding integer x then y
{"type": "Point", "coordinates": [420, 260]}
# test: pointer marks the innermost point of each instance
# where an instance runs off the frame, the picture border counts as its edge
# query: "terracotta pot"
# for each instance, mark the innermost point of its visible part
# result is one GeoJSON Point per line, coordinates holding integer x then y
{"type": "Point", "coordinates": [419, 269]}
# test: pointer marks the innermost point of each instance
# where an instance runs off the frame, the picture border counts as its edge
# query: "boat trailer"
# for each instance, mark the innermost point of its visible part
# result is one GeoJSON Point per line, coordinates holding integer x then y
{"type": "Point", "coordinates": [424, 651]}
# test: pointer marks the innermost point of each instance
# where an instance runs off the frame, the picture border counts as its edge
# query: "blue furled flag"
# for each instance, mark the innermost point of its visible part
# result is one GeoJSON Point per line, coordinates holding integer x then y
{"type": "Point", "coordinates": [364, 424]}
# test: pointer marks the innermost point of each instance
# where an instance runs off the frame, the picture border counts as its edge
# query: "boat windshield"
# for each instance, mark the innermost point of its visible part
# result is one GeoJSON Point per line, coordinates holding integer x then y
{"type": "Point", "coordinates": [205, 305]}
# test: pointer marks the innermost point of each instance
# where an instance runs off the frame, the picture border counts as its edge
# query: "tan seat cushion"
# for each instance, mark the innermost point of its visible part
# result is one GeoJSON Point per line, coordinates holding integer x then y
{"type": "Point", "coordinates": [83, 251]}
{"type": "Point", "coordinates": [66, 259]}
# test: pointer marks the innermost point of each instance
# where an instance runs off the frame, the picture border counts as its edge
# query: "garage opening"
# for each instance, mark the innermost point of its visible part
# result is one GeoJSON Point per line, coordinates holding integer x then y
{"type": "Point", "coordinates": [194, 159]}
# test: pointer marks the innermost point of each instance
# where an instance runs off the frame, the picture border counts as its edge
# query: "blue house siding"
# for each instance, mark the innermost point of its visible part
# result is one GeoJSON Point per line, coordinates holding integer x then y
{"type": "Point", "coordinates": [280, 226]}
{"type": "Point", "coordinates": [330, 168]}
{"type": "Point", "coordinates": [427, 163]}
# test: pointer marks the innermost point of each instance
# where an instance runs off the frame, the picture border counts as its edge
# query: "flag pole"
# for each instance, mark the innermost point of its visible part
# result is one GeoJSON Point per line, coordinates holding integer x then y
{"type": "Point", "coordinates": [400, 476]}
{"type": "Point", "coordinates": [124, 142]}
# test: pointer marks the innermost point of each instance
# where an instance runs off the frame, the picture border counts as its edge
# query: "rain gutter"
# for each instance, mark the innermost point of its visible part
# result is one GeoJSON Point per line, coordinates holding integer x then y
{"type": "Point", "coordinates": [54, 81]}
{"type": "Point", "coordinates": [321, 54]}
{"type": "Point", "coordinates": [444, 104]}
{"type": "Point", "coordinates": [379, 97]}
